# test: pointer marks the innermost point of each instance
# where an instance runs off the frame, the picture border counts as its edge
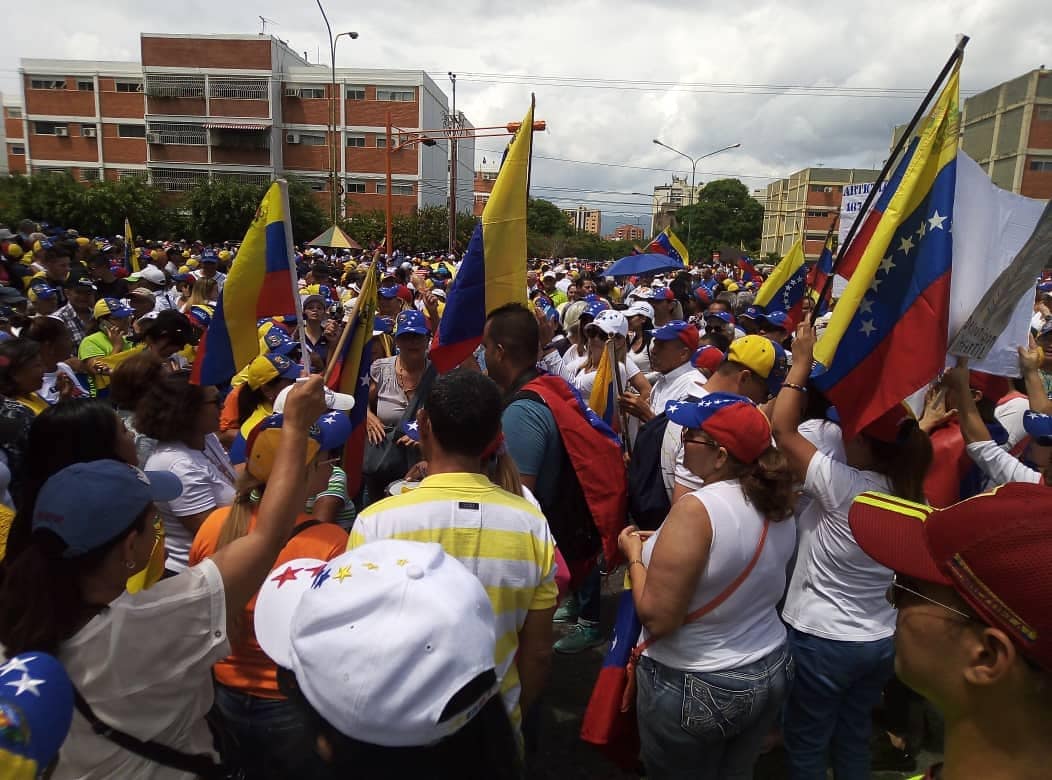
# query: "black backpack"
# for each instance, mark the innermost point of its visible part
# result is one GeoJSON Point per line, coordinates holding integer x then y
{"type": "Point", "coordinates": [648, 502]}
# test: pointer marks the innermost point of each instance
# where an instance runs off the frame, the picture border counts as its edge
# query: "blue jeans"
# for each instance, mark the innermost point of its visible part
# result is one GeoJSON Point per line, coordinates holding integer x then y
{"type": "Point", "coordinates": [588, 597]}
{"type": "Point", "coordinates": [830, 707]}
{"type": "Point", "coordinates": [705, 725]}
{"type": "Point", "coordinates": [272, 741]}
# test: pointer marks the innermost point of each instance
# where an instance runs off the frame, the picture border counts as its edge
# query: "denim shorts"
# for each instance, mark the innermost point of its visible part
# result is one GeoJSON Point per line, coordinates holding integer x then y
{"type": "Point", "coordinates": [709, 724]}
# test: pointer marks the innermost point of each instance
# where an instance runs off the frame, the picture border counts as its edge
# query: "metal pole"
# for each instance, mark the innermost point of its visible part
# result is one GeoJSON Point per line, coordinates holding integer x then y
{"type": "Point", "coordinates": [332, 117]}
{"type": "Point", "coordinates": [388, 246]}
{"type": "Point", "coordinates": [453, 168]}
{"type": "Point", "coordinates": [690, 202]}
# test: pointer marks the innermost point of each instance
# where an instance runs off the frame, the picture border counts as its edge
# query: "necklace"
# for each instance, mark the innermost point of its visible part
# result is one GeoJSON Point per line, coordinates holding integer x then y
{"type": "Point", "coordinates": [405, 381]}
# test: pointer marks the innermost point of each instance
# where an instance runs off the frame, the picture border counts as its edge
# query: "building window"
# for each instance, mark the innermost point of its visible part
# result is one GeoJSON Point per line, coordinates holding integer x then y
{"type": "Point", "coordinates": [1041, 165]}
{"type": "Point", "coordinates": [89, 174]}
{"type": "Point", "coordinates": [317, 185]}
{"type": "Point", "coordinates": [129, 85]}
{"type": "Point", "coordinates": [813, 213]}
{"type": "Point", "coordinates": [381, 141]}
{"type": "Point", "coordinates": [176, 133]}
{"type": "Point", "coordinates": [395, 94]}
{"type": "Point", "coordinates": [823, 188]}
{"type": "Point", "coordinates": [356, 141]}
{"type": "Point", "coordinates": [381, 188]}
{"type": "Point", "coordinates": [14, 113]}
{"type": "Point", "coordinates": [43, 171]}
{"type": "Point", "coordinates": [356, 186]}
{"type": "Point", "coordinates": [175, 180]}
{"type": "Point", "coordinates": [309, 93]}
{"type": "Point", "coordinates": [86, 86]}
{"type": "Point", "coordinates": [238, 88]}
{"type": "Point", "coordinates": [1044, 113]}
{"type": "Point", "coordinates": [401, 189]}
{"type": "Point", "coordinates": [131, 131]}
{"type": "Point", "coordinates": [47, 84]}
{"type": "Point", "coordinates": [312, 139]}
{"type": "Point", "coordinates": [174, 86]}
{"type": "Point", "coordinates": [355, 93]}
{"type": "Point", "coordinates": [50, 128]}
{"type": "Point", "coordinates": [18, 150]}
{"type": "Point", "coordinates": [130, 173]}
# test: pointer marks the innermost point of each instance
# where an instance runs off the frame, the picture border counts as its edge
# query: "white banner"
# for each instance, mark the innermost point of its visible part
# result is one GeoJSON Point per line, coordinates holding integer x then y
{"type": "Point", "coordinates": [854, 195]}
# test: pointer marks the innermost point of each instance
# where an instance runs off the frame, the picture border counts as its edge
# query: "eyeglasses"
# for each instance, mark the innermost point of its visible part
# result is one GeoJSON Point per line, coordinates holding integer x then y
{"type": "Point", "coordinates": [704, 442]}
{"type": "Point", "coordinates": [900, 583]}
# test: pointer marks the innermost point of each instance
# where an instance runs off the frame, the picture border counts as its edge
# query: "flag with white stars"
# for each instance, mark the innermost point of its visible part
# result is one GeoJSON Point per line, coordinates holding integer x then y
{"type": "Point", "coordinates": [784, 289]}
{"type": "Point", "coordinates": [887, 336]}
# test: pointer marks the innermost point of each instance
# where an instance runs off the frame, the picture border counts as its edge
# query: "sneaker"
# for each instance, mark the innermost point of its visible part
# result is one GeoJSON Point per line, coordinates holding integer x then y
{"type": "Point", "coordinates": [567, 611]}
{"type": "Point", "coordinates": [579, 638]}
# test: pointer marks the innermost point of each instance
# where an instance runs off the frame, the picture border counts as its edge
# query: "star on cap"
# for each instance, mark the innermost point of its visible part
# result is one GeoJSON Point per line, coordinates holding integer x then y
{"type": "Point", "coordinates": [673, 407]}
{"type": "Point", "coordinates": [320, 578]}
{"type": "Point", "coordinates": [16, 665]}
{"type": "Point", "coordinates": [26, 683]}
{"type": "Point", "coordinates": [286, 576]}
{"type": "Point", "coordinates": [342, 573]}
{"type": "Point", "coordinates": [329, 419]}
{"type": "Point", "coordinates": [412, 426]}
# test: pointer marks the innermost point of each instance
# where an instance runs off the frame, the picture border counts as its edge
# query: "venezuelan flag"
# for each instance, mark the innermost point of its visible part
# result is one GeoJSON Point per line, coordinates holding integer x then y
{"type": "Point", "coordinates": [784, 289]}
{"type": "Point", "coordinates": [260, 284]}
{"type": "Point", "coordinates": [493, 272]}
{"type": "Point", "coordinates": [667, 243]}
{"type": "Point", "coordinates": [748, 271]}
{"type": "Point", "coordinates": [349, 373]}
{"type": "Point", "coordinates": [603, 399]}
{"type": "Point", "coordinates": [817, 277]}
{"type": "Point", "coordinates": [131, 255]}
{"type": "Point", "coordinates": [887, 336]}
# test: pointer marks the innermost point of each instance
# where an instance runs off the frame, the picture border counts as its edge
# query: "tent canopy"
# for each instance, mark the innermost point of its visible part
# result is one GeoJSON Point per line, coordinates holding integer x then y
{"type": "Point", "coordinates": [334, 238]}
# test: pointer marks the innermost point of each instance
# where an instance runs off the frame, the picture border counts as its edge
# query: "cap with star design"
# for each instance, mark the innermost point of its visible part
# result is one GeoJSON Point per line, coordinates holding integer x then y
{"type": "Point", "coordinates": [36, 710]}
{"type": "Point", "coordinates": [330, 432]}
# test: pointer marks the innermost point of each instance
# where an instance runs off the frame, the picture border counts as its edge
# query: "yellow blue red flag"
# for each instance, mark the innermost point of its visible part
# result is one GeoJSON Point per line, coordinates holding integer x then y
{"type": "Point", "coordinates": [784, 289]}
{"type": "Point", "coordinates": [493, 272]}
{"type": "Point", "coordinates": [603, 399]}
{"type": "Point", "coordinates": [887, 335]}
{"type": "Point", "coordinates": [260, 284]}
{"type": "Point", "coordinates": [667, 243]}
{"type": "Point", "coordinates": [131, 255]}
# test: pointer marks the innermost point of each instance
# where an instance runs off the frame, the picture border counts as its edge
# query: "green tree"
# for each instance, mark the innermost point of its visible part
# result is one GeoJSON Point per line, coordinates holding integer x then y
{"type": "Point", "coordinates": [308, 218]}
{"type": "Point", "coordinates": [545, 218]}
{"type": "Point", "coordinates": [221, 210]}
{"type": "Point", "coordinates": [725, 213]}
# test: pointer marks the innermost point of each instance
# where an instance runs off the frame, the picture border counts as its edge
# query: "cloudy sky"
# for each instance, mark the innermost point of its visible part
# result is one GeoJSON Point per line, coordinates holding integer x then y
{"type": "Point", "coordinates": [795, 83]}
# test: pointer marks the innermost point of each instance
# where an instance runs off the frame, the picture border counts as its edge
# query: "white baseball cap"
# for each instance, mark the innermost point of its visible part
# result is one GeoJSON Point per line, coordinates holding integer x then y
{"type": "Point", "coordinates": [152, 273]}
{"type": "Point", "coordinates": [381, 638]}
{"type": "Point", "coordinates": [339, 401]}
{"type": "Point", "coordinates": [611, 322]}
{"type": "Point", "coordinates": [640, 308]}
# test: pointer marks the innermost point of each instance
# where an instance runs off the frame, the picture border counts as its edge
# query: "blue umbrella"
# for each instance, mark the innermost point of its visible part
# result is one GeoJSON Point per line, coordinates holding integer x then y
{"type": "Point", "coordinates": [637, 265]}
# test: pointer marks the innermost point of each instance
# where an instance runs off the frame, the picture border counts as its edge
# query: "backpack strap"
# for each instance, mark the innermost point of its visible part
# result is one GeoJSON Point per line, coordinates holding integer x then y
{"type": "Point", "coordinates": [304, 526]}
{"type": "Point", "coordinates": [630, 669]}
{"type": "Point", "coordinates": [198, 764]}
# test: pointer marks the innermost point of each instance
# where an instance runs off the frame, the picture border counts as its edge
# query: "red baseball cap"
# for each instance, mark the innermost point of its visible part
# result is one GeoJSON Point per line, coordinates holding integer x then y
{"type": "Point", "coordinates": [992, 549]}
{"type": "Point", "coordinates": [732, 420]}
{"type": "Point", "coordinates": [708, 358]}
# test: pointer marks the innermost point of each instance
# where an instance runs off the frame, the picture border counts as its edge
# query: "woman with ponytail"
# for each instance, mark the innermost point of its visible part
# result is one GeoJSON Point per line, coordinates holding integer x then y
{"type": "Point", "coordinates": [841, 626]}
{"type": "Point", "coordinates": [715, 668]}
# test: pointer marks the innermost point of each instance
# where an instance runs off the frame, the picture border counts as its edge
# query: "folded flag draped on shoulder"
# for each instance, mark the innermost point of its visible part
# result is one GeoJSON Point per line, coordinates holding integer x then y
{"type": "Point", "coordinates": [887, 336]}
{"type": "Point", "coordinates": [748, 271]}
{"type": "Point", "coordinates": [603, 400]}
{"type": "Point", "coordinates": [260, 284]}
{"type": "Point", "coordinates": [131, 257]}
{"type": "Point", "coordinates": [667, 243]}
{"type": "Point", "coordinates": [349, 373]}
{"type": "Point", "coordinates": [817, 276]}
{"type": "Point", "coordinates": [784, 289]}
{"type": "Point", "coordinates": [493, 272]}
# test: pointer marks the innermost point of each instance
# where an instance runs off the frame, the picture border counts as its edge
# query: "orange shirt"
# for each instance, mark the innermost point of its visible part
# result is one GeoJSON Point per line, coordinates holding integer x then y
{"type": "Point", "coordinates": [247, 668]}
{"type": "Point", "coordinates": [228, 414]}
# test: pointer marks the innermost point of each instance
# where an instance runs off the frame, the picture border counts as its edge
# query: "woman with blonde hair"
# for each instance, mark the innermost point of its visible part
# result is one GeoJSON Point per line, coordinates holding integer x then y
{"type": "Point", "coordinates": [205, 291]}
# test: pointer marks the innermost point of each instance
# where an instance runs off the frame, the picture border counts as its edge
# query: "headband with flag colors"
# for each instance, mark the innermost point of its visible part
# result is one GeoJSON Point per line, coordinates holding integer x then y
{"type": "Point", "coordinates": [493, 272]}
{"type": "Point", "coordinates": [260, 284]}
{"type": "Point", "coordinates": [667, 243]}
{"type": "Point", "coordinates": [887, 336]}
{"type": "Point", "coordinates": [131, 257]}
{"type": "Point", "coordinates": [348, 372]}
{"type": "Point", "coordinates": [784, 289]}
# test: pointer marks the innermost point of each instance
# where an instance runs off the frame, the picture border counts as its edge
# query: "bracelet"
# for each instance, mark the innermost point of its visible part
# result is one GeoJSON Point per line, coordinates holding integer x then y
{"type": "Point", "coordinates": [794, 386]}
{"type": "Point", "coordinates": [633, 563]}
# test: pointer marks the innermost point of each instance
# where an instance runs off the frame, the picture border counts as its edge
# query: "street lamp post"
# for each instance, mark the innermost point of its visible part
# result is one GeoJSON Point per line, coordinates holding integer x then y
{"type": "Point", "coordinates": [335, 190]}
{"type": "Point", "coordinates": [694, 169]}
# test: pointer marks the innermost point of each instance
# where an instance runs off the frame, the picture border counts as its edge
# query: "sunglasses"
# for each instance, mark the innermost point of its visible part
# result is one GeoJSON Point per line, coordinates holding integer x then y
{"type": "Point", "coordinates": [900, 584]}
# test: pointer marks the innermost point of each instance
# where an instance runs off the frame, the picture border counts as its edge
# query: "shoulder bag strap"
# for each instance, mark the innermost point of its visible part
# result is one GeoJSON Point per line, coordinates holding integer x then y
{"type": "Point", "coordinates": [726, 593]}
{"type": "Point", "coordinates": [303, 527]}
{"type": "Point", "coordinates": [198, 764]}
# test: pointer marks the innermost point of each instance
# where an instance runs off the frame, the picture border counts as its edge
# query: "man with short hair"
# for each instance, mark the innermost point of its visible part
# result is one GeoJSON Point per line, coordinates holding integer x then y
{"type": "Point", "coordinates": [663, 299]}
{"type": "Point", "coordinates": [973, 589]}
{"type": "Point", "coordinates": [500, 536]}
{"type": "Point", "coordinates": [78, 314]}
{"type": "Point", "coordinates": [671, 351]}
{"type": "Point", "coordinates": [209, 268]}
{"type": "Point", "coordinates": [555, 295]}
{"type": "Point", "coordinates": [107, 284]}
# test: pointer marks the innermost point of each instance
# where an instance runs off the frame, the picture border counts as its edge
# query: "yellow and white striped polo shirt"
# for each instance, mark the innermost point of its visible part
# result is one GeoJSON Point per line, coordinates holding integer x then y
{"type": "Point", "coordinates": [501, 537]}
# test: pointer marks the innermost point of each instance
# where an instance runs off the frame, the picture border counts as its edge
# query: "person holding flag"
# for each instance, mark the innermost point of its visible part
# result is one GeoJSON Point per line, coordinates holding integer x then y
{"type": "Point", "coordinates": [667, 243]}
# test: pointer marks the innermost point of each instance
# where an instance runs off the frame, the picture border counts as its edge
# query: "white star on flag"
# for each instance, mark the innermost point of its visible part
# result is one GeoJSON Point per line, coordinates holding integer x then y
{"type": "Point", "coordinates": [906, 245]}
{"type": "Point", "coordinates": [937, 220]}
{"type": "Point", "coordinates": [16, 665]}
{"type": "Point", "coordinates": [887, 264]}
{"type": "Point", "coordinates": [867, 327]}
{"type": "Point", "coordinates": [412, 426]}
{"type": "Point", "coordinates": [922, 230]}
{"type": "Point", "coordinates": [876, 283]}
{"type": "Point", "coordinates": [364, 381]}
{"type": "Point", "coordinates": [26, 683]}
{"type": "Point", "coordinates": [865, 306]}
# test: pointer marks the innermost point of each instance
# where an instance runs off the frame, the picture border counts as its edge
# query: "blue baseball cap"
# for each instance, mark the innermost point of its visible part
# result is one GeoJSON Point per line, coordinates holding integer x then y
{"type": "Point", "coordinates": [209, 256]}
{"type": "Point", "coordinates": [389, 292]}
{"type": "Point", "coordinates": [330, 432]}
{"type": "Point", "coordinates": [36, 711]}
{"type": "Point", "coordinates": [661, 294]}
{"type": "Point", "coordinates": [778, 319]}
{"type": "Point", "coordinates": [382, 325]}
{"type": "Point", "coordinates": [1045, 287]}
{"type": "Point", "coordinates": [732, 420]}
{"type": "Point", "coordinates": [409, 322]}
{"type": "Point", "coordinates": [594, 308]}
{"type": "Point", "coordinates": [678, 330]}
{"type": "Point", "coordinates": [724, 316]}
{"type": "Point", "coordinates": [1039, 426]}
{"type": "Point", "coordinates": [278, 342]}
{"type": "Point", "coordinates": [752, 313]}
{"type": "Point", "coordinates": [90, 504]}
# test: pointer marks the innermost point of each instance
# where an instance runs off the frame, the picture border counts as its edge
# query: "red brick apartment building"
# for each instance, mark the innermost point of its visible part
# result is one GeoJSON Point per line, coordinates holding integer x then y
{"type": "Point", "coordinates": [244, 107]}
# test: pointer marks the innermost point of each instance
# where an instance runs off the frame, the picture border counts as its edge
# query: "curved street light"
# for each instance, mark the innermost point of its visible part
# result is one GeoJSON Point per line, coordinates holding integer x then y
{"type": "Point", "coordinates": [694, 168]}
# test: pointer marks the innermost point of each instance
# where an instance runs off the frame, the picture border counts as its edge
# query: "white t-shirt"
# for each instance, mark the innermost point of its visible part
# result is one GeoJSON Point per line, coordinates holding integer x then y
{"type": "Point", "coordinates": [584, 380]}
{"type": "Point", "coordinates": [1010, 414]}
{"type": "Point", "coordinates": [144, 665]}
{"type": "Point", "coordinates": [745, 627]}
{"type": "Point", "coordinates": [1000, 466]}
{"type": "Point", "coordinates": [642, 360]}
{"type": "Point", "coordinates": [676, 384]}
{"type": "Point", "coordinates": [49, 392]}
{"type": "Point", "coordinates": [837, 591]}
{"type": "Point", "coordinates": [208, 479]}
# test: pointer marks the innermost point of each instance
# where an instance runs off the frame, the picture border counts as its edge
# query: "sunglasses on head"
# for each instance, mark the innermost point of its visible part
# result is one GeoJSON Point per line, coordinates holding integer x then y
{"type": "Point", "coordinates": [901, 584]}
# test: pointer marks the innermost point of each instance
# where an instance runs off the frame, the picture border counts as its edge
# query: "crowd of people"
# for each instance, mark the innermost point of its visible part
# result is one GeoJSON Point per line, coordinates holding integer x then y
{"type": "Point", "coordinates": [189, 587]}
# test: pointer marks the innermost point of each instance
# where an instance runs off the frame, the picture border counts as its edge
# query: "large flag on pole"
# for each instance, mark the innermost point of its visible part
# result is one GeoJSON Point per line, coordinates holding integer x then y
{"type": "Point", "coordinates": [887, 336]}
{"type": "Point", "coordinates": [784, 289]}
{"type": "Point", "coordinates": [349, 373]}
{"type": "Point", "coordinates": [748, 271]}
{"type": "Point", "coordinates": [667, 243]}
{"type": "Point", "coordinates": [131, 257]}
{"type": "Point", "coordinates": [817, 276]}
{"type": "Point", "coordinates": [261, 283]}
{"type": "Point", "coordinates": [493, 272]}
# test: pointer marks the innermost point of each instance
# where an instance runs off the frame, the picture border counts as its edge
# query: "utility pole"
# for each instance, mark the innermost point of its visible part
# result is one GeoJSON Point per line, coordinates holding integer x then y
{"type": "Point", "coordinates": [453, 122]}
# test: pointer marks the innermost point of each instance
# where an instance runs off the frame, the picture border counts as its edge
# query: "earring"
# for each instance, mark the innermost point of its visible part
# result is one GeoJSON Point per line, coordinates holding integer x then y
{"type": "Point", "coordinates": [129, 565]}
